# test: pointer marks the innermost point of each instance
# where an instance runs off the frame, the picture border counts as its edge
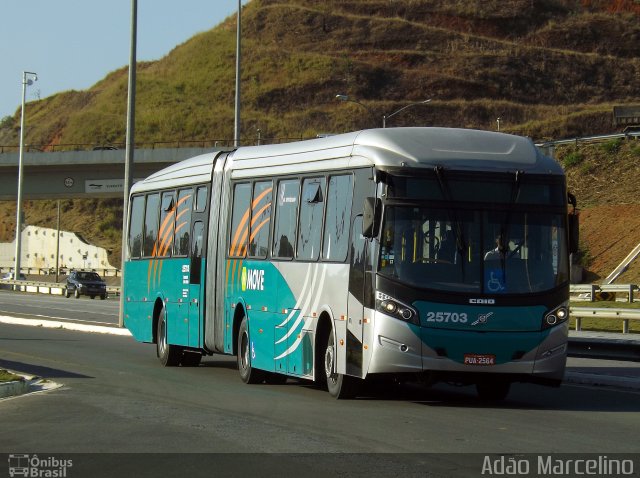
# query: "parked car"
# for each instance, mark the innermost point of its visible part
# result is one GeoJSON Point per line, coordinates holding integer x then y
{"type": "Point", "coordinates": [85, 283]}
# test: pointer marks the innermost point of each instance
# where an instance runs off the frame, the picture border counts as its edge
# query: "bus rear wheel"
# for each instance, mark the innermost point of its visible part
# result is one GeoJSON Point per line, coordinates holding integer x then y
{"type": "Point", "coordinates": [169, 355]}
{"type": "Point", "coordinates": [339, 386]}
{"type": "Point", "coordinates": [248, 374]}
{"type": "Point", "coordinates": [493, 390]}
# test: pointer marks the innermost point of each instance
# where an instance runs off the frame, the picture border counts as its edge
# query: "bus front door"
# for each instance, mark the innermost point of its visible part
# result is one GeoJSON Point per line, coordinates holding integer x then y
{"type": "Point", "coordinates": [355, 301]}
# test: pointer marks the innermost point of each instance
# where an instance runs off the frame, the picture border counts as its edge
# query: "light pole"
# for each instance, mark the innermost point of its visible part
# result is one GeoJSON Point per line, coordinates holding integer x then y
{"type": "Point", "coordinates": [236, 129]}
{"type": "Point", "coordinates": [386, 117]}
{"type": "Point", "coordinates": [129, 147]}
{"type": "Point", "coordinates": [28, 77]}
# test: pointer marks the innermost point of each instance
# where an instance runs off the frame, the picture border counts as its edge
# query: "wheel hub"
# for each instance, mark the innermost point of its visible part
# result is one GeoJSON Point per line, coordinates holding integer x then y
{"type": "Point", "coordinates": [328, 362]}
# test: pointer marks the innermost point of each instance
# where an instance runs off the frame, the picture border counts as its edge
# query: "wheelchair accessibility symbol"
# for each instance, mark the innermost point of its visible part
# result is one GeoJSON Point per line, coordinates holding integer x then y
{"type": "Point", "coordinates": [495, 280]}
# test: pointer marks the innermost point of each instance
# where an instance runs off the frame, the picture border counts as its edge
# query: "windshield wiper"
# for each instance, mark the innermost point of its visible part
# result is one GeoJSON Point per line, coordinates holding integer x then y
{"type": "Point", "coordinates": [446, 194]}
{"type": "Point", "coordinates": [503, 240]}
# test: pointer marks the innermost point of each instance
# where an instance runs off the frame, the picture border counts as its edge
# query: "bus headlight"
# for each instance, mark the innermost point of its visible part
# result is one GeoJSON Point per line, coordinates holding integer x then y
{"type": "Point", "coordinates": [393, 307]}
{"type": "Point", "coordinates": [555, 317]}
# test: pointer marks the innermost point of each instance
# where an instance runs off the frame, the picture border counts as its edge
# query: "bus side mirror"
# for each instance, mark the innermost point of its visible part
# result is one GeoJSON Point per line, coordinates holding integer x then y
{"type": "Point", "coordinates": [574, 232]}
{"type": "Point", "coordinates": [371, 217]}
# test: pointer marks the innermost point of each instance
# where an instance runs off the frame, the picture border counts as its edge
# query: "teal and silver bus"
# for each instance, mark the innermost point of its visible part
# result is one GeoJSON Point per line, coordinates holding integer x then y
{"type": "Point", "coordinates": [432, 253]}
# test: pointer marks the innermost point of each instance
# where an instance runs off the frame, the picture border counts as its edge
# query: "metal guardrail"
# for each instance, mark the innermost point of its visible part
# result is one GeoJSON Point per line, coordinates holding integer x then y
{"type": "Point", "coordinates": [593, 289]}
{"type": "Point", "coordinates": [51, 271]}
{"type": "Point", "coordinates": [588, 139]}
{"type": "Point", "coordinates": [53, 288]}
{"type": "Point", "coordinates": [625, 315]}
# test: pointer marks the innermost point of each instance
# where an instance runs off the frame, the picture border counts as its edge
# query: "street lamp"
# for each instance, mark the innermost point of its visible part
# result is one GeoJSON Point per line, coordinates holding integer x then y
{"type": "Point", "coordinates": [385, 117]}
{"type": "Point", "coordinates": [346, 98]}
{"type": "Point", "coordinates": [28, 78]}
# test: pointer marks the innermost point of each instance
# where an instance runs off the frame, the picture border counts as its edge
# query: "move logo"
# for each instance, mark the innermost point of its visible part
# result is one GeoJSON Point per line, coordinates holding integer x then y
{"type": "Point", "coordinates": [252, 279]}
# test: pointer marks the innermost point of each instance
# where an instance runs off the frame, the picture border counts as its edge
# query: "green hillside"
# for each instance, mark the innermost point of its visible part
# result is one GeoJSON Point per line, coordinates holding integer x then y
{"type": "Point", "coordinates": [546, 68]}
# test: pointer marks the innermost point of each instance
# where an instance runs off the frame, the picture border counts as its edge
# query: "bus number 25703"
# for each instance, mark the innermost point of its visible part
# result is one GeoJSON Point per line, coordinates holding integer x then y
{"type": "Point", "coordinates": [447, 317]}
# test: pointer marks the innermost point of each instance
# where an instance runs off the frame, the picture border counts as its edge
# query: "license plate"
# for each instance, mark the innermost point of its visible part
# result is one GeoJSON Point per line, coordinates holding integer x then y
{"type": "Point", "coordinates": [479, 359]}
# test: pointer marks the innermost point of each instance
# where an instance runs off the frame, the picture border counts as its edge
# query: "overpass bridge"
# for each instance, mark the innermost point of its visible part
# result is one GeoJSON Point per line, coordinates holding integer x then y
{"type": "Point", "coordinates": [78, 174]}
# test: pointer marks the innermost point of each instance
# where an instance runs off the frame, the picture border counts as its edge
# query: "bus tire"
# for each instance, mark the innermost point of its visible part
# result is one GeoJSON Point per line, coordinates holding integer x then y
{"type": "Point", "coordinates": [169, 355]}
{"type": "Point", "coordinates": [248, 374]}
{"type": "Point", "coordinates": [493, 390]}
{"type": "Point", "coordinates": [340, 386]}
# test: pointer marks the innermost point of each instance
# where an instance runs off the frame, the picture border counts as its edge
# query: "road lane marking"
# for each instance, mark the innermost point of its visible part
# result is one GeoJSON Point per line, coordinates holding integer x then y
{"type": "Point", "coordinates": [56, 324]}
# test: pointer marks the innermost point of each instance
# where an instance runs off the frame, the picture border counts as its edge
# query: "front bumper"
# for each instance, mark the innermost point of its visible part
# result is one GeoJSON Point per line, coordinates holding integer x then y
{"type": "Point", "coordinates": [400, 347]}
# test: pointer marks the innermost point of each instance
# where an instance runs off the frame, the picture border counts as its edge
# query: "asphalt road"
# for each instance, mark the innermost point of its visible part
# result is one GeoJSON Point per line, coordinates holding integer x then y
{"type": "Point", "coordinates": [116, 398]}
{"type": "Point", "coordinates": [58, 307]}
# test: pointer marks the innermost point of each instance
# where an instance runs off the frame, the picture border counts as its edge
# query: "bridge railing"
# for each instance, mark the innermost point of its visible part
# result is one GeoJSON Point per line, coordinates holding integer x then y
{"type": "Point", "coordinates": [49, 271]}
{"type": "Point", "coordinates": [199, 143]}
{"type": "Point", "coordinates": [53, 288]}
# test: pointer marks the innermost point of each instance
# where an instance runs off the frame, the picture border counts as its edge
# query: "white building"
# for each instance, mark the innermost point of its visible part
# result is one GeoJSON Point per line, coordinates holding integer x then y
{"type": "Point", "coordinates": [38, 251]}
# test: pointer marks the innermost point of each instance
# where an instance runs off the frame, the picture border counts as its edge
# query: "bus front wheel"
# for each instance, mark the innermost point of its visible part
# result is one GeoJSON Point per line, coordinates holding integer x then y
{"type": "Point", "coordinates": [340, 386]}
{"type": "Point", "coordinates": [248, 374]}
{"type": "Point", "coordinates": [169, 355]}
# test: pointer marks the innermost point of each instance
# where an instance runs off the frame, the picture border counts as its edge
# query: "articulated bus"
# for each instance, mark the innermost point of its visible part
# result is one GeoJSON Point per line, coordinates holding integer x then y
{"type": "Point", "coordinates": [431, 253]}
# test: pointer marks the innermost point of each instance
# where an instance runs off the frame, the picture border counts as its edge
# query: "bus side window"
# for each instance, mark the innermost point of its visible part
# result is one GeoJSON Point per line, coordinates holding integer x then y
{"type": "Point", "coordinates": [152, 211]}
{"type": "Point", "coordinates": [260, 219]}
{"type": "Point", "coordinates": [183, 222]}
{"type": "Point", "coordinates": [337, 221]}
{"type": "Point", "coordinates": [196, 252]}
{"type": "Point", "coordinates": [201, 199]}
{"type": "Point", "coordinates": [167, 224]}
{"type": "Point", "coordinates": [136, 222]}
{"type": "Point", "coordinates": [284, 233]}
{"type": "Point", "coordinates": [240, 220]}
{"type": "Point", "coordinates": [311, 208]}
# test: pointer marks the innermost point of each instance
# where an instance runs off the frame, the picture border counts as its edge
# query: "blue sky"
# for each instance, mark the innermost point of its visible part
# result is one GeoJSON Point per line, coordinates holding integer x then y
{"type": "Point", "coordinates": [73, 44]}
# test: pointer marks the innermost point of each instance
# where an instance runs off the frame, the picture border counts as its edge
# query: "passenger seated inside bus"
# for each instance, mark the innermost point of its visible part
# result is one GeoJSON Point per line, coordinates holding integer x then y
{"type": "Point", "coordinates": [447, 249]}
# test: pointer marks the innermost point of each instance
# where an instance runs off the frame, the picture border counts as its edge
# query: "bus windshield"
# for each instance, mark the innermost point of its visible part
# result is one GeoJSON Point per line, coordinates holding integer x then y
{"type": "Point", "coordinates": [473, 251]}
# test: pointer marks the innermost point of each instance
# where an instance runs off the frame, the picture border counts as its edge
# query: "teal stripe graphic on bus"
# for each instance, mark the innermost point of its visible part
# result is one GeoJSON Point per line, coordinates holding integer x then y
{"type": "Point", "coordinates": [279, 332]}
{"type": "Point", "coordinates": [503, 332]}
{"type": "Point", "coordinates": [141, 297]}
{"type": "Point", "coordinates": [480, 318]}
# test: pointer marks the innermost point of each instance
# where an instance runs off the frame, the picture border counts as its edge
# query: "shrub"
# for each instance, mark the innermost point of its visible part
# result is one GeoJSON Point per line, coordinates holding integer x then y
{"type": "Point", "coordinates": [573, 158]}
{"type": "Point", "coordinates": [612, 146]}
{"type": "Point", "coordinates": [6, 122]}
{"type": "Point", "coordinates": [584, 257]}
